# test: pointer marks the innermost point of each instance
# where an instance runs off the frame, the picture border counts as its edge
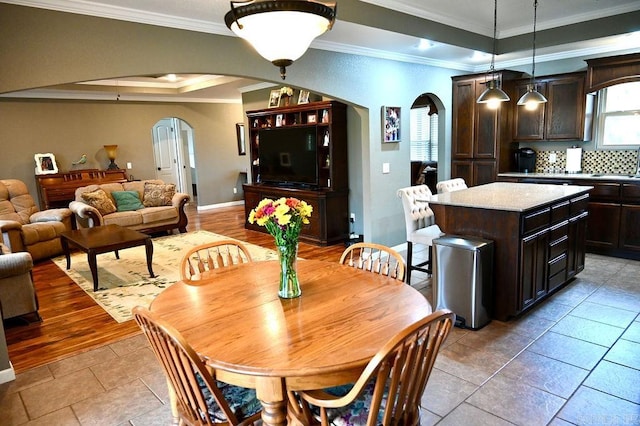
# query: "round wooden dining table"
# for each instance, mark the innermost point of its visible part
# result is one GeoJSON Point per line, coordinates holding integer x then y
{"type": "Point", "coordinates": [235, 320]}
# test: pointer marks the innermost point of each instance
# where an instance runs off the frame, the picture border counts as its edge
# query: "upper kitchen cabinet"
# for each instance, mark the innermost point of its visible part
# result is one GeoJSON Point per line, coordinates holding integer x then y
{"type": "Point", "coordinates": [561, 118]}
{"type": "Point", "coordinates": [479, 132]}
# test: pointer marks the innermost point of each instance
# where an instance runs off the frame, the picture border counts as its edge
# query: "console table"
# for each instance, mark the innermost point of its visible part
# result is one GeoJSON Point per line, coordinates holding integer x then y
{"type": "Point", "coordinates": [58, 190]}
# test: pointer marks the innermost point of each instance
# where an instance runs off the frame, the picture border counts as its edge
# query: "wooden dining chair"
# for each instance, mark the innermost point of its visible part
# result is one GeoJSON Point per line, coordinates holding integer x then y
{"type": "Point", "coordinates": [389, 390]}
{"type": "Point", "coordinates": [206, 257]}
{"type": "Point", "coordinates": [201, 400]}
{"type": "Point", "coordinates": [375, 258]}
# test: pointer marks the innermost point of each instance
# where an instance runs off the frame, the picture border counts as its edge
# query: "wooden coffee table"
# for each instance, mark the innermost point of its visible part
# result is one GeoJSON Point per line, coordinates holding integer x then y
{"type": "Point", "coordinates": [103, 239]}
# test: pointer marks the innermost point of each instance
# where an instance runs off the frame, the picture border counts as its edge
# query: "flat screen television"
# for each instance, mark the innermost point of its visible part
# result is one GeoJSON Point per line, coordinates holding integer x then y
{"type": "Point", "coordinates": [288, 156]}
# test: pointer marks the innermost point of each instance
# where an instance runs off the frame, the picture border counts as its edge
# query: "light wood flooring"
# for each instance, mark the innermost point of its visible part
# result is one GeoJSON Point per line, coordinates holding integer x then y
{"type": "Point", "coordinates": [73, 323]}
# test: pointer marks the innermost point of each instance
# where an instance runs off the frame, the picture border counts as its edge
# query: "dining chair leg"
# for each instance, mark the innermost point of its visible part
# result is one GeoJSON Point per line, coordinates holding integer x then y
{"type": "Point", "coordinates": [409, 264]}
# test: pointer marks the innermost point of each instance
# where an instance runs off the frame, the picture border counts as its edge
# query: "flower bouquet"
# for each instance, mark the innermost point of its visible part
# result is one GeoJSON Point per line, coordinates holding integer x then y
{"type": "Point", "coordinates": [283, 219]}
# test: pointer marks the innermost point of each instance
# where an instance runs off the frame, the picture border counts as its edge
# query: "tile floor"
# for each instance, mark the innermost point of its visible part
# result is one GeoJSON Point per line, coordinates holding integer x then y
{"type": "Point", "coordinates": [573, 360]}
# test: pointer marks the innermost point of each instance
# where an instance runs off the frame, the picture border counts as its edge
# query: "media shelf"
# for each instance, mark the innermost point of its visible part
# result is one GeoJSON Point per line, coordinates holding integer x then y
{"type": "Point", "coordinates": [329, 194]}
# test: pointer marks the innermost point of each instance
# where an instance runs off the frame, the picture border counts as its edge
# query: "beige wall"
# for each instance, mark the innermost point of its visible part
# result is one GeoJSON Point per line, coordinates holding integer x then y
{"type": "Point", "coordinates": [69, 129]}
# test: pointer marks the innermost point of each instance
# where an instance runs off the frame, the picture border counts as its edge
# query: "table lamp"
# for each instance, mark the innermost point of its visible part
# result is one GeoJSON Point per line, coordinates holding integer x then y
{"type": "Point", "coordinates": [111, 153]}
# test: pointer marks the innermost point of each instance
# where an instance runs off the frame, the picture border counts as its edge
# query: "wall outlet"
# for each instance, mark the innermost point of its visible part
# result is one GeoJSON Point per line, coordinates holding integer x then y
{"type": "Point", "coordinates": [129, 166]}
{"type": "Point", "coordinates": [385, 168]}
{"type": "Point", "coordinates": [235, 190]}
{"type": "Point", "coordinates": [552, 158]}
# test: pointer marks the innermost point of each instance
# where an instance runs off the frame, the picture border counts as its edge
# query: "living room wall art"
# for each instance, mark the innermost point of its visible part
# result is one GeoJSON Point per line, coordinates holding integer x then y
{"type": "Point", "coordinates": [390, 124]}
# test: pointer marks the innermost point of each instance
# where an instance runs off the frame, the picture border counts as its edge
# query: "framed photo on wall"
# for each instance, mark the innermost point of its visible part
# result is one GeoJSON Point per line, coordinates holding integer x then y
{"type": "Point", "coordinates": [45, 164]}
{"type": "Point", "coordinates": [303, 97]}
{"type": "Point", "coordinates": [390, 124]}
{"type": "Point", "coordinates": [242, 147]}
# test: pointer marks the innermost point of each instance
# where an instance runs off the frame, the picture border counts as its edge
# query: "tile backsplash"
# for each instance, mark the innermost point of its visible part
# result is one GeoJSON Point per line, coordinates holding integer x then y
{"type": "Point", "coordinates": [610, 161]}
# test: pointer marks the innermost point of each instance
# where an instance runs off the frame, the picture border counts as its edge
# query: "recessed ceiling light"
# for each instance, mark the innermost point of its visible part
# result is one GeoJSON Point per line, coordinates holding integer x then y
{"type": "Point", "coordinates": [424, 44]}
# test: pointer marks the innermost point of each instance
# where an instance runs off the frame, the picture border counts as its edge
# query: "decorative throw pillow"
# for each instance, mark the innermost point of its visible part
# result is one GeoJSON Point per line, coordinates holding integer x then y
{"type": "Point", "coordinates": [127, 200]}
{"type": "Point", "coordinates": [100, 200]}
{"type": "Point", "coordinates": [156, 195]}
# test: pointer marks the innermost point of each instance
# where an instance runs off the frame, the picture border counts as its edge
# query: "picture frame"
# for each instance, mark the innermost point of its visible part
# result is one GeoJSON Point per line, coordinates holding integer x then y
{"type": "Point", "coordinates": [242, 147]}
{"type": "Point", "coordinates": [45, 164]}
{"type": "Point", "coordinates": [303, 97]}
{"type": "Point", "coordinates": [311, 118]}
{"type": "Point", "coordinates": [279, 120]}
{"type": "Point", "coordinates": [274, 98]}
{"type": "Point", "coordinates": [390, 124]}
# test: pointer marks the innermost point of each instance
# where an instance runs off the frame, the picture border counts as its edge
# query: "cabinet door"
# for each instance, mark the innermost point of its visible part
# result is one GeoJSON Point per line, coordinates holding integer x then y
{"type": "Point", "coordinates": [565, 108]}
{"type": "Point", "coordinates": [484, 171]}
{"type": "Point", "coordinates": [629, 227]}
{"type": "Point", "coordinates": [463, 169]}
{"type": "Point", "coordinates": [484, 143]}
{"type": "Point", "coordinates": [604, 225]}
{"type": "Point", "coordinates": [528, 125]}
{"type": "Point", "coordinates": [464, 106]}
{"type": "Point", "coordinates": [576, 247]}
{"type": "Point", "coordinates": [533, 268]}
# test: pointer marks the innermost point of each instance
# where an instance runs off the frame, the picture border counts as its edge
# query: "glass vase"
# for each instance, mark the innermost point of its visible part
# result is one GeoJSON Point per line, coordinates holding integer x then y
{"type": "Point", "coordinates": [289, 284]}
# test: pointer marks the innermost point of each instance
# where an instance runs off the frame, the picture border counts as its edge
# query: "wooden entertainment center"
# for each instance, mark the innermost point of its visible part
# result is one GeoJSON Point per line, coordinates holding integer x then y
{"type": "Point", "coordinates": [329, 195]}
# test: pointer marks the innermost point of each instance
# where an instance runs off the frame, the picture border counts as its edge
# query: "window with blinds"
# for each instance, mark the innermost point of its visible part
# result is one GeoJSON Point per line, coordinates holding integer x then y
{"type": "Point", "coordinates": [424, 134]}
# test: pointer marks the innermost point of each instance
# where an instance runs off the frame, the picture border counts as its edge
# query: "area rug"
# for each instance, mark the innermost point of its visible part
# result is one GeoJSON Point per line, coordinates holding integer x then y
{"type": "Point", "coordinates": [125, 283]}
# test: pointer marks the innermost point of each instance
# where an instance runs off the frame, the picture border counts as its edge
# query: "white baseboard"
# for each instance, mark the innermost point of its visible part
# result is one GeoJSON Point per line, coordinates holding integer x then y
{"type": "Point", "coordinates": [221, 205]}
{"type": "Point", "coordinates": [7, 375]}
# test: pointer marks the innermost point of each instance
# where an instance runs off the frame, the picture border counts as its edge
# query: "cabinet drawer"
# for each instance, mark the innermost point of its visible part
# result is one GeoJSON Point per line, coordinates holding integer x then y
{"type": "Point", "coordinates": [579, 204]}
{"type": "Point", "coordinates": [559, 231]}
{"type": "Point", "coordinates": [536, 220]}
{"type": "Point", "coordinates": [557, 265]}
{"type": "Point", "coordinates": [558, 247]}
{"type": "Point", "coordinates": [560, 212]}
{"type": "Point", "coordinates": [605, 192]}
{"type": "Point", "coordinates": [630, 193]}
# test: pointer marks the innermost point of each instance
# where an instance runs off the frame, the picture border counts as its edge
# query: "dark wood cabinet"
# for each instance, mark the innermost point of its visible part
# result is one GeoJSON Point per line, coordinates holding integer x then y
{"type": "Point", "coordinates": [561, 118]}
{"type": "Point", "coordinates": [329, 199]}
{"type": "Point", "coordinates": [481, 135]}
{"type": "Point", "coordinates": [533, 268]}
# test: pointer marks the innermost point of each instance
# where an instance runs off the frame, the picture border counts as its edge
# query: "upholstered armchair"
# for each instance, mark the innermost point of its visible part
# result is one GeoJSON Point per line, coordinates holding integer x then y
{"type": "Point", "coordinates": [17, 292]}
{"type": "Point", "coordinates": [24, 227]}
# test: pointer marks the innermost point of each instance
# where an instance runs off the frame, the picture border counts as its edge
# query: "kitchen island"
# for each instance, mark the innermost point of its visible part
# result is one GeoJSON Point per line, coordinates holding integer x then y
{"type": "Point", "coordinates": [538, 232]}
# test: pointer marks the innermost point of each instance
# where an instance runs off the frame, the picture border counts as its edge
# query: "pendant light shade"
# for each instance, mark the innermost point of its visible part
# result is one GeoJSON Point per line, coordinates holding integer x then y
{"type": "Point", "coordinates": [532, 98]}
{"type": "Point", "coordinates": [280, 30]}
{"type": "Point", "coordinates": [493, 94]}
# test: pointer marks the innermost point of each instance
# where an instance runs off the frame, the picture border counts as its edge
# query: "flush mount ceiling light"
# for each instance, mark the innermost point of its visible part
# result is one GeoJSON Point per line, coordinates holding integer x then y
{"type": "Point", "coordinates": [532, 98]}
{"type": "Point", "coordinates": [493, 95]}
{"type": "Point", "coordinates": [280, 30]}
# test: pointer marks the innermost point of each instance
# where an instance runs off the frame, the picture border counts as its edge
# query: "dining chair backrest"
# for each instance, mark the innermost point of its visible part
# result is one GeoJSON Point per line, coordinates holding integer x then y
{"type": "Point", "coordinates": [451, 185]}
{"type": "Point", "coordinates": [374, 258]}
{"type": "Point", "coordinates": [392, 384]}
{"type": "Point", "coordinates": [209, 256]}
{"type": "Point", "coordinates": [415, 203]}
{"type": "Point", "coordinates": [185, 371]}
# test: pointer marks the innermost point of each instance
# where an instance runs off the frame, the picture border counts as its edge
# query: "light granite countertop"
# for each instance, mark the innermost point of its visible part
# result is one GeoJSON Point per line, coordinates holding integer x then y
{"type": "Point", "coordinates": [508, 196]}
{"type": "Point", "coordinates": [571, 176]}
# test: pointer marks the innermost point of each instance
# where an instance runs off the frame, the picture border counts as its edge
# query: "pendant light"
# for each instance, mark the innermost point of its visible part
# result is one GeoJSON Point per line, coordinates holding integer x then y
{"type": "Point", "coordinates": [493, 95]}
{"type": "Point", "coordinates": [532, 98]}
{"type": "Point", "coordinates": [280, 30]}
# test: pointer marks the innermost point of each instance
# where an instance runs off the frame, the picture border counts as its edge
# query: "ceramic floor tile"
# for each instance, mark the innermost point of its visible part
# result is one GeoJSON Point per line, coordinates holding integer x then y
{"type": "Point", "coordinates": [544, 373]}
{"type": "Point", "coordinates": [444, 392]}
{"type": "Point", "coordinates": [130, 344]}
{"type": "Point", "coordinates": [159, 417]}
{"type": "Point", "coordinates": [157, 382]}
{"type": "Point", "coordinates": [496, 338]}
{"type": "Point", "coordinates": [12, 411]}
{"type": "Point", "coordinates": [427, 418]}
{"type": "Point", "coordinates": [126, 368]}
{"type": "Point", "coordinates": [516, 402]}
{"type": "Point", "coordinates": [591, 407]}
{"type": "Point", "coordinates": [60, 392]}
{"type": "Point", "coordinates": [576, 292]}
{"type": "Point", "coordinates": [616, 298]}
{"type": "Point", "coordinates": [62, 417]}
{"type": "Point", "coordinates": [604, 314]}
{"type": "Point", "coordinates": [633, 332]}
{"type": "Point", "coordinates": [27, 379]}
{"type": "Point", "coordinates": [117, 405]}
{"type": "Point", "coordinates": [469, 415]}
{"type": "Point", "coordinates": [587, 330]}
{"type": "Point", "coordinates": [616, 380]}
{"type": "Point", "coordinates": [530, 325]}
{"type": "Point", "coordinates": [83, 360]}
{"type": "Point", "coordinates": [559, 422]}
{"type": "Point", "coordinates": [568, 349]}
{"type": "Point", "coordinates": [551, 310]}
{"type": "Point", "coordinates": [469, 364]}
{"type": "Point", "coordinates": [626, 353]}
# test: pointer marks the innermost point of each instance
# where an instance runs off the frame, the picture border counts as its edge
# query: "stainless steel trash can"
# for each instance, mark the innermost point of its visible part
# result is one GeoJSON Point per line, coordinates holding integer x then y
{"type": "Point", "coordinates": [463, 278]}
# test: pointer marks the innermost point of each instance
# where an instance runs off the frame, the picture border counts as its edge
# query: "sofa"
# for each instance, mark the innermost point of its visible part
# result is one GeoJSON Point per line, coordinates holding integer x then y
{"type": "Point", "coordinates": [149, 206]}
{"type": "Point", "coordinates": [17, 292]}
{"type": "Point", "coordinates": [25, 228]}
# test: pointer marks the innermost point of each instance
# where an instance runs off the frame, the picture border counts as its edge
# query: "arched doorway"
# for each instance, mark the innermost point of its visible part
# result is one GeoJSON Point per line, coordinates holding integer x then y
{"type": "Point", "coordinates": [425, 139]}
{"type": "Point", "coordinates": [174, 154]}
